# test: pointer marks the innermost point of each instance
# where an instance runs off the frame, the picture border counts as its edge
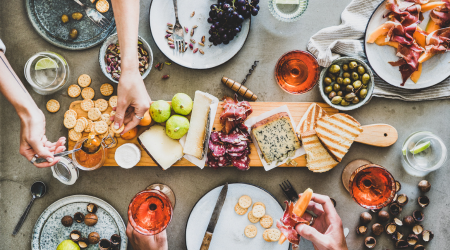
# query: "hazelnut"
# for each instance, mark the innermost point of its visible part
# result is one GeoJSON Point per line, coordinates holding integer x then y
{"type": "Point", "coordinates": [409, 221]}
{"type": "Point", "coordinates": [401, 244]}
{"type": "Point", "coordinates": [412, 239]}
{"type": "Point", "coordinates": [78, 217]}
{"type": "Point", "coordinates": [104, 244]}
{"type": "Point", "coordinates": [75, 235]}
{"type": "Point", "coordinates": [397, 236]}
{"type": "Point", "coordinates": [90, 219]}
{"type": "Point", "coordinates": [383, 216]}
{"type": "Point", "coordinates": [115, 240]}
{"type": "Point", "coordinates": [417, 229]}
{"type": "Point", "coordinates": [423, 201]}
{"type": "Point", "coordinates": [67, 221]}
{"type": "Point", "coordinates": [419, 247]}
{"type": "Point", "coordinates": [370, 242]}
{"type": "Point", "coordinates": [398, 186]}
{"type": "Point", "coordinates": [398, 222]}
{"type": "Point", "coordinates": [418, 216]}
{"type": "Point", "coordinates": [391, 228]}
{"type": "Point", "coordinates": [93, 238]}
{"type": "Point", "coordinates": [402, 199]}
{"type": "Point", "coordinates": [83, 243]}
{"type": "Point", "coordinates": [377, 229]}
{"type": "Point", "coordinates": [424, 186]}
{"type": "Point", "coordinates": [92, 208]}
{"type": "Point", "coordinates": [365, 218]}
{"type": "Point", "coordinates": [360, 230]}
{"type": "Point", "coordinates": [395, 209]}
{"type": "Point", "coordinates": [427, 235]}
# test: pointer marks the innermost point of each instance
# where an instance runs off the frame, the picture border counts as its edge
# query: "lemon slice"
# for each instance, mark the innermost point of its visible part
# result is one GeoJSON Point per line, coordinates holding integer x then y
{"type": "Point", "coordinates": [421, 147]}
{"type": "Point", "coordinates": [46, 63]}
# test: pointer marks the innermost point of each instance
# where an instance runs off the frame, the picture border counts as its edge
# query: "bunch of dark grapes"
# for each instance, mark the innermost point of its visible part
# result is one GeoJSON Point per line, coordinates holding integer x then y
{"type": "Point", "coordinates": [226, 18]}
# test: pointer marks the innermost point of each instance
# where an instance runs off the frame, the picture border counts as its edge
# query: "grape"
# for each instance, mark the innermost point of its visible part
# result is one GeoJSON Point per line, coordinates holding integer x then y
{"type": "Point", "coordinates": [226, 5]}
{"type": "Point", "coordinates": [211, 32]}
{"type": "Point", "coordinates": [210, 20]}
{"type": "Point", "coordinates": [217, 24]}
{"type": "Point", "coordinates": [213, 6]}
{"type": "Point", "coordinates": [254, 11]}
{"type": "Point", "coordinates": [257, 7]}
{"type": "Point", "coordinates": [211, 39]}
{"type": "Point", "coordinates": [214, 42]}
{"type": "Point", "coordinates": [240, 2]}
{"type": "Point", "coordinates": [241, 19]}
{"type": "Point", "coordinates": [213, 27]}
{"type": "Point", "coordinates": [230, 10]}
{"type": "Point", "coordinates": [221, 30]}
{"type": "Point", "coordinates": [224, 37]}
{"type": "Point", "coordinates": [242, 9]}
{"type": "Point", "coordinates": [255, 2]}
{"type": "Point", "coordinates": [212, 13]}
{"type": "Point", "coordinates": [247, 14]}
{"type": "Point", "coordinates": [237, 30]}
{"type": "Point", "coordinates": [226, 42]}
{"type": "Point", "coordinates": [219, 15]}
{"type": "Point", "coordinates": [220, 4]}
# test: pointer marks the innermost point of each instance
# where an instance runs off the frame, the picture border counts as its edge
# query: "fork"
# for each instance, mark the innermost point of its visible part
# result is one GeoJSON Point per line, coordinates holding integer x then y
{"type": "Point", "coordinates": [95, 16]}
{"type": "Point", "coordinates": [178, 34]}
{"type": "Point", "coordinates": [289, 191]}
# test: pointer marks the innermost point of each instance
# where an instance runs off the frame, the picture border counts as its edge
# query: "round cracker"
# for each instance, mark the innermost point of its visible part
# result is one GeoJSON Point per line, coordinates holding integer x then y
{"type": "Point", "coordinates": [105, 118]}
{"type": "Point", "coordinates": [258, 211]}
{"type": "Point", "coordinates": [112, 113]}
{"type": "Point", "coordinates": [250, 231]}
{"type": "Point", "coordinates": [70, 121]}
{"type": "Point", "coordinates": [101, 136]}
{"type": "Point", "coordinates": [106, 89]}
{"type": "Point", "coordinates": [74, 135]}
{"type": "Point", "coordinates": [259, 203]}
{"type": "Point", "coordinates": [88, 93]}
{"type": "Point", "coordinates": [101, 127]}
{"type": "Point", "coordinates": [113, 101]}
{"type": "Point", "coordinates": [245, 201]}
{"type": "Point", "coordinates": [84, 80]}
{"type": "Point", "coordinates": [239, 210]}
{"type": "Point", "coordinates": [117, 131]}
{"type": "Point", "coordinates": [79, 126]}
{"type": "Point", "coordinates": [87, 104]}
{"type": "Point", "coordinates": [74, 90]}
{"type": "Point", "coordinates": [252, 218]}
{"type": "Point", "coordinates": [92, 128]}
{"type": "Point", "coordinates": [94, 114]}
{"type": "Point", "coordinates": [53, 106]}
{"type": "Point", "coordinates": [84, 120]}
{"type": "Point", "coordinates": [101, 104]}
{"type": "Point", "coordinates": [71, 112]}
{"type": "Point", "coordinates": [266, 221]}
{"type": "Point", "coordinates": [274, 234]}
{"type": "Point", "coordinates": [88, 126]}
{"type": "Point", "coordinates": [265, 237]}
{"type": "Point", "coordinates": [102, 6]}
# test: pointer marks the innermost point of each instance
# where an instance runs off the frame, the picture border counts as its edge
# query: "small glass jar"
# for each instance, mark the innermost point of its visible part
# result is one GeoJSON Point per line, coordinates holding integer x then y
{"type": "Point", "coordinates": [287, 11]}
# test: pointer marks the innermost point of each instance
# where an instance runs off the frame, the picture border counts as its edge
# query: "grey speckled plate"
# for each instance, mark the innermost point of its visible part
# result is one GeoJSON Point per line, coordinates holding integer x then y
{"type": "Point", "coordinates": [48, 231]}
{"type": "Point", "coordinates": [45, 15]}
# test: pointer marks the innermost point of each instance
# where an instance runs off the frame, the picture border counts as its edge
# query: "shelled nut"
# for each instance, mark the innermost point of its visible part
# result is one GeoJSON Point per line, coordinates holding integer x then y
{"type": "Point", "coordinates": [397, 236]}
{"type": "Point", "coordinates": [401, 244]}
{"type": "Point", "coordinates": [417, 229]}
{"type": "Point", "coordinates": [104, 244]}
{"type": "Point", "coordinates": [115, 240]}
{"type": "Point", "coordinates": [395, 209]}
{"type": "Point", "coordinates": [419, 247]}
{"type": "Point", "coordinates": [78, 217]}
{"type": "Point", "coordinates": [427, 235]}
{"type": "Point", "coordinates": [370, 242]}
{"type": "Point", "coordinates": [418, 215]}
{"type": "Point", "coordinates": [398, 222]}
{"type": "Point", "coordinates": [423, 201]}
{"type": "Point", "coordinates": [391, 228]}
{"type": "Point", "coordinates": [83, 243]}
{"type": "Point", "coordinates": [398, 186]}
{"type": "Point", "coordinates": [402, 199]}
{"type": "Point", "coordinates": [92, 208]}
{"type": "Point", "coordinates": [412, 239]}
{"type": "Point", "coordinates": [75, 235]}
{"type": "Point", "coordinates": [360, 230]}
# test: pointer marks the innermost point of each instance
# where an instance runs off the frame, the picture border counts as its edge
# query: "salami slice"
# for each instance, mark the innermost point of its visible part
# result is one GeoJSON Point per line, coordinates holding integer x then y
{"type": "Point", "coordinates": [223, 161]}
{"type": "Point", "coordinates": [241, 163]}
{"type": "Point", "coordinates": [212, 161]}
{"type": "Point", "coordinates": [239, 154]}
{"type": "Point", "coordinates": [215, 137]}
{"type": "Point", "coordinates": [235, 148]}
{"type": "Point", "coordinates": [217, 149]}
{"type": "Point", "coordinates": [233, 137]}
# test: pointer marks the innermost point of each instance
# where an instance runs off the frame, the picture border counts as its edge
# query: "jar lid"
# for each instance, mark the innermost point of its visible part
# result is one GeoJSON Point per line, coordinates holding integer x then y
{"type": "Point", "coordinates": [65, 171]}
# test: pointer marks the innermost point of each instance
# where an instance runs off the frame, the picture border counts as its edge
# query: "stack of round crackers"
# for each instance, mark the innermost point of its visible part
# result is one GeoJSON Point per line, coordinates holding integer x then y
{"type": "Point", "coordinates": [255, 215]}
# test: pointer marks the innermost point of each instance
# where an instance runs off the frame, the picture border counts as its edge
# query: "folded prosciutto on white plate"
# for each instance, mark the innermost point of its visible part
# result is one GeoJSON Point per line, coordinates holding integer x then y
{"type": "Point", "coordinates": [409, 60]}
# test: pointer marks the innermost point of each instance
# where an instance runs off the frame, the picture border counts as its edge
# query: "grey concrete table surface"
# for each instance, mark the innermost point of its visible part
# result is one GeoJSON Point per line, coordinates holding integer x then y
{"type": "Point", "coordinates": [267, 41]}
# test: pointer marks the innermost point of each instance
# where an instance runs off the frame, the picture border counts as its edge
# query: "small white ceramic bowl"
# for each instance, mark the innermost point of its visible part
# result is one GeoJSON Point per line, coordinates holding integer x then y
{"type": "Point", "coordinates": [127, 155]}
{"type": "Point", "coordinates": [341, 61]}
{"type": "Point", "coordinates": [114, 39]}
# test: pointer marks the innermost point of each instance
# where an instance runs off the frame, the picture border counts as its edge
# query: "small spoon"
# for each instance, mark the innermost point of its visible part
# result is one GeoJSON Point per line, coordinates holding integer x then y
{"type": "Point", "coordinates": [41, 160]}
{"type": "Point", "coordinates": [38, 190]}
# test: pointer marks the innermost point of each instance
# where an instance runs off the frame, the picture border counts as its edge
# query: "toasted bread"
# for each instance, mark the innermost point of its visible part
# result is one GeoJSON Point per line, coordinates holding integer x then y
{"type": "Point", "coordinates": [309, 119]}
{"type": "Point", "coordinates": [317, 157]}
{"type": "Point", "coordinates": [337, 133]}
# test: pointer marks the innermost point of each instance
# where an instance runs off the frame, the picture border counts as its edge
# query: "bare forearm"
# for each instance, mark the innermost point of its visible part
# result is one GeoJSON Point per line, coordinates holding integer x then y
{"type": "Point", "coordinates": [126, 13]}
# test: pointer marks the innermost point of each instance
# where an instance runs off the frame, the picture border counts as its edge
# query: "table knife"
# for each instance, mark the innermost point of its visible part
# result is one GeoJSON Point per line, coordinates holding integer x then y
{"type": "Point", "coordinates": [214, 218]}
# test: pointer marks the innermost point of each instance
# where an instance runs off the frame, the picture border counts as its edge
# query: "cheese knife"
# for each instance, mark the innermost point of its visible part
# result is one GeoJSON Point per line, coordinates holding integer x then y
{"type": "Point", "coordinates": [214, 218]}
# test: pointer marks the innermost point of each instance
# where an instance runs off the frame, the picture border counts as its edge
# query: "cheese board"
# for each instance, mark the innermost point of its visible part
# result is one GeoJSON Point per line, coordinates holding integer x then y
{"type": "Point", "coordinates": [377, 135]}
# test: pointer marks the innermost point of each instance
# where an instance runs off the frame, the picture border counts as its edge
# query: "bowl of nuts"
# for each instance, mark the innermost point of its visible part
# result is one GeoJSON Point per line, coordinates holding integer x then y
{"type": "Point", "coordinates": [346, 84]}
{"type": "Point", "coordinates": [109, 58]}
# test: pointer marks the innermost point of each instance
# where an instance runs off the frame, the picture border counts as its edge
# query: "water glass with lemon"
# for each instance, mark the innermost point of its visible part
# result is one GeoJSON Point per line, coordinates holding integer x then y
{"type": "Point", "coordinates": [422, 153]}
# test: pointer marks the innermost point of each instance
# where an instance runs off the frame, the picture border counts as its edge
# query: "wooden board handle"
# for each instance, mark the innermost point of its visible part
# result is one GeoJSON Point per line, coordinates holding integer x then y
{"type": "Point", "coordinates": [379, 135]}
{"type": "Point", "coordinates": [206, 241]}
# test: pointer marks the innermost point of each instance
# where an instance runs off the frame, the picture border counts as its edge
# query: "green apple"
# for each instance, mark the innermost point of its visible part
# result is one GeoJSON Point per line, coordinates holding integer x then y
{"type": "Point", "coordinates": [177, 126]}
{"type": "Point", "coordinates": [182, 104]}
{"type": "Point", "coordinates": [68, 245]}
{"type": "Point", "coordinates": [160, 111]}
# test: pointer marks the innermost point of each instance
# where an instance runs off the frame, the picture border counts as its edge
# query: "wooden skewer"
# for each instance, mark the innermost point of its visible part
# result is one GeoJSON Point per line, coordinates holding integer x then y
{"type": "Point", "coordinates": [239, 88]}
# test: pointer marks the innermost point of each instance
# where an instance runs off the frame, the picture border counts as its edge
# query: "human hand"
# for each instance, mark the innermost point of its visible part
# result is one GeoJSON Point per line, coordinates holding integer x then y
{"type": "Point", "coordinates": [326, 232]}
{"type": "Point", "coordinates": [133, 100]}
{"type": "Point", "coordinates": [34, 142]}
{"type": "Point", "coordinates": [142, 242]}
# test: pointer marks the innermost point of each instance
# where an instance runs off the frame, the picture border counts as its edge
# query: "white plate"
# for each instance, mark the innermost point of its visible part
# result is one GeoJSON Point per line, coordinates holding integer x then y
{"type": "Point", "coordinates": [229, 231]}
{"type": "Point", "coordinates": [434, 70]}
{"type": "Point", "coordinates": [48, 231]}
{"type": "Point", "coordinates": [161, 13]}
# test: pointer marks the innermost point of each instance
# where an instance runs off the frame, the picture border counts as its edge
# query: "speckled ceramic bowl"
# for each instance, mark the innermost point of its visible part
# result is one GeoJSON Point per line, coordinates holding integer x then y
{"type": "Point", "coordinates": [341, 61]}
{"type": "Point", "coordinates": [114, 39]}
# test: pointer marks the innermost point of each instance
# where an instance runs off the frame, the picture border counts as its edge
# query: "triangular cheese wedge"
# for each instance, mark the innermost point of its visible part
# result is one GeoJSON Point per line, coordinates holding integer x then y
{"type": "Point", "coordinates": [337, 133]}
{"type": "Point", "coordinates": [317, 157]}
{"type": "Point", "coordinates": [309, 119]}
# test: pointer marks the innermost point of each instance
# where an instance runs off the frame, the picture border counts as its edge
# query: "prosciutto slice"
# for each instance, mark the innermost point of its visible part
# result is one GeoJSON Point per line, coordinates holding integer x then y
{"type": "Point", "coordinates": [409, 60]}
{"type": "Point", "coordinates": [234, 113]}
{"type": "Point", "coordinates": [288, 223]}
{"type": "Point", "coordinates": [406, 17]}
{"type": "Point", "coordinates": [401, 34]}
{"type": "Point", "coordinates": [438, 41]}
{"type": "Point", "coordinates": [289, 232]}
{"type": "Point", "coordinates": [441, 16]}
{"type": "Point", "coordinates": [418, 1]}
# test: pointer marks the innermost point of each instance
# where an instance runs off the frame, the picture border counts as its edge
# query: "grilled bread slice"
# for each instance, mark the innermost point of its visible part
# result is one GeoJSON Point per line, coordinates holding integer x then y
{"type": "Point", "coordinates": [337, 133]}
{"type": "Point", "coordinates": [309, 119]}
{"type": "Point", "coordinates": [317, 157]}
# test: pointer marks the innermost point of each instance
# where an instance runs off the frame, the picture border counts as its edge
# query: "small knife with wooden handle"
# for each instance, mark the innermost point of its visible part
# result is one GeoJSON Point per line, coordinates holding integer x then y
{"type": "Point", "coordinates": [214, 218]}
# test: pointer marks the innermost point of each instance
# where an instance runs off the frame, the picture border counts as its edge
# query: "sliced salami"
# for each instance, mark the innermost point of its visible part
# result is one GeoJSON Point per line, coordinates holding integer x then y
{"type": "Point", "coordinates": [217, 149]}
{"type": "Point", "coordinates": [215, 137]}
{"type": "Point", "coordinates": [212, 161]}
{"type": "Point", "coordinates": [242, 163]}
{"type": "Point", "coordinates": [235, 148]}
{"type": "Point", "coordinates": [223, 161]}
{"type": "Point", "coordinates": [239, 154]}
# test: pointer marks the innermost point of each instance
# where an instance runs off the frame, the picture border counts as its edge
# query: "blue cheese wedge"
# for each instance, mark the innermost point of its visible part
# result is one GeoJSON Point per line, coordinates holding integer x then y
{"type": "Point", "coordinates": [276, 137]}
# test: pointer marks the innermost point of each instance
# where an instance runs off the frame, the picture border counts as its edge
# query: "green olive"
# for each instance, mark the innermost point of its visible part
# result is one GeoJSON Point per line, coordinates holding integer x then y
{"type": "Point", "coordinates": [363, 93]}
{"type": "Point", "coordinates": [352, 65]}
{"type": "Point", "coordinates": [333, 77]}
{"type": "Point", "coordinates": [355, 76]}
{"type": "Point", "coordinates": [77, 16]}
{"type": "Point", "coordinates": [365, 78]}
{"type": "Point", "coordinates": [357, 84]}
{"type": "Point", "coordinates": [339, 80]}
{"type": "Point", "coordinates": [344, 102]}
{"type": "Point", "coordinates": [349, 88]}
{"type": "Point", "coordinates": [331, 95]}
{"type": "Point", "coordinates": [364, 86]}
{"type": "Point", "coordinates": [347, 81]}
{"type": "Point", "coordinates": [73, 34]}
{"type": "Point", "coordinates": [327, 80]}
{"type": "Point", "coordinates": [345, 67]}
{"type": "Point", "coordinates": [334, 69]}
{"type": "Point", "coordinates": [328, 89]}
{"type": "Point", "coordinates": [349, 97]}
{"type": "Point", "coordinates": [361, 70]}
{"type": "Point", "coordinates": [336, 87]}
{"type": "Point", "coordinates": [340, 93]}
{"type": "Point", "coordinates": [64, 18]}
{"type": "Point", "coordinates": [346, 75]}
{"type": "Point", "coordinates": [355, 100]}
{"type": "Point", "coordinates": [336, 100]}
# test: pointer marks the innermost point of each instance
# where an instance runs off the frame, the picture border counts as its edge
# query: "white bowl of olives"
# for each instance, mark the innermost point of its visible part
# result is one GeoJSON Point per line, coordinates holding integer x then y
{"type": "Point", "coordinates": [346, 84]}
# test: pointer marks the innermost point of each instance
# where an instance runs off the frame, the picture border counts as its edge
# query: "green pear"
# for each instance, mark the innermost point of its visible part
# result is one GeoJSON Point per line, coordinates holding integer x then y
{"type": "Point", "coordinates": [160, 111]}
{"type": "Point", "coordinates": [177, 126]}
{"type": "Point", "coordinates": [182, 104]}
{"type": "Point", "coordinates": [68, 245]}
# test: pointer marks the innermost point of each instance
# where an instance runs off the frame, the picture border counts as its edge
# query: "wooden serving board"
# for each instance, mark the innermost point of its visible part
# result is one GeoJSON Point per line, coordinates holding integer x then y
{"type": "Point", "coordinates": [297, 109]}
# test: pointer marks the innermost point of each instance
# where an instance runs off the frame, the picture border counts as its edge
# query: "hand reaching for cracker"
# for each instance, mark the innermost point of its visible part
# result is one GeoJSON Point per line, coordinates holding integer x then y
{"type": "Point", "coordinates": [326, 233]}
{"type": "Point", "coordinates": [143, 242]}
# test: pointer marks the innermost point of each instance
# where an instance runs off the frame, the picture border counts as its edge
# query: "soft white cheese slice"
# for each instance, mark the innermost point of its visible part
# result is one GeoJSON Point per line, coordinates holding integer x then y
{"type": "Point", "coordinates": [288, 1]}
{"type": "Point", "coordinates": [163, 149]}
